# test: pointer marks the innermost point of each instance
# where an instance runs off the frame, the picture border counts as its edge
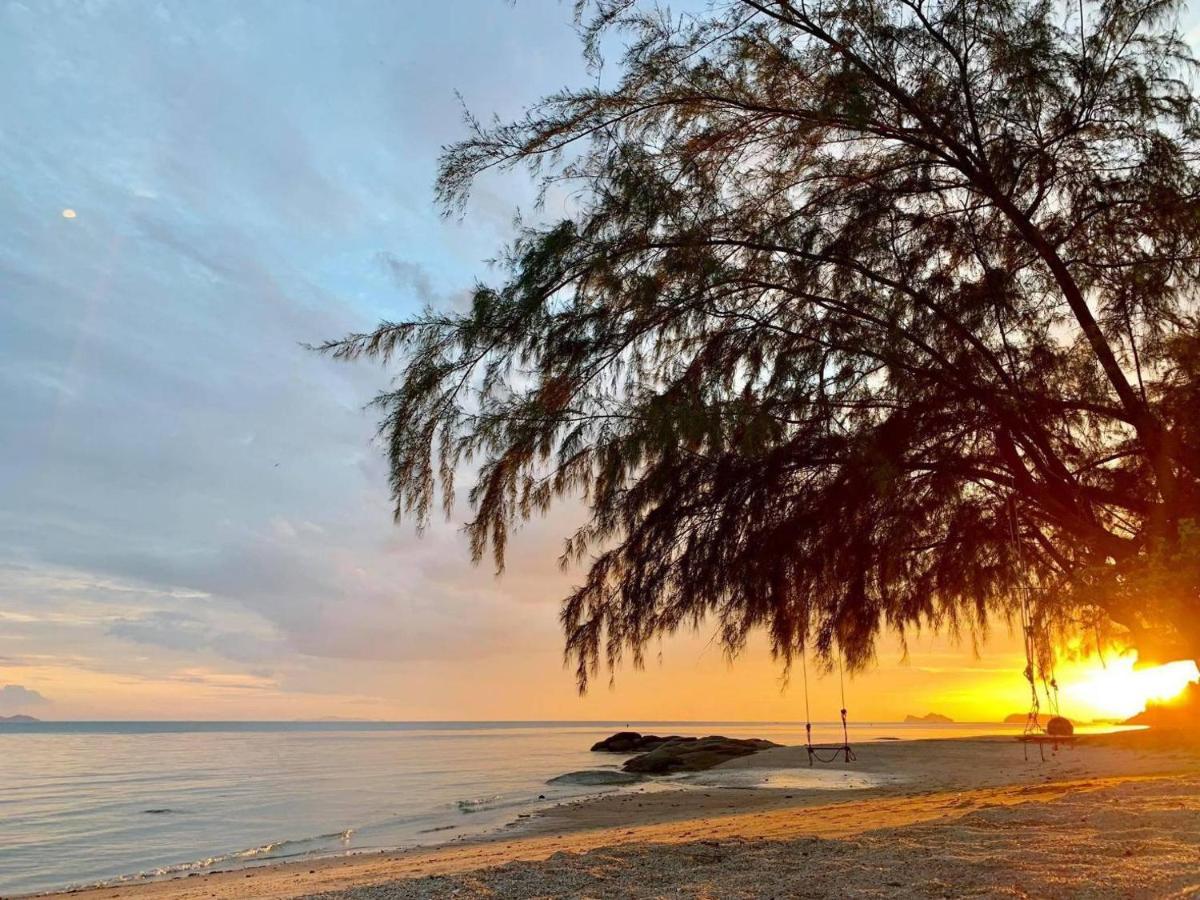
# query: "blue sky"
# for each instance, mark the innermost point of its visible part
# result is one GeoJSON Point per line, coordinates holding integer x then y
{"type": "Point", "coordinates": [181, 480]}
{"type": "Point", "coordinates": [193, 519]}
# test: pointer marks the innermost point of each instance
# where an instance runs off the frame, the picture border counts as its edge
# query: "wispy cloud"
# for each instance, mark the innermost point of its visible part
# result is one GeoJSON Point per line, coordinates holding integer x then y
{"type": "Point", "coordinates": [18, 698]}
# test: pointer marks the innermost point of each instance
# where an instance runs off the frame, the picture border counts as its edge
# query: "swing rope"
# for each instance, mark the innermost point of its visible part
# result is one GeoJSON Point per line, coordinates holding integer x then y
{"type": "Point", "coordinates": [807, 712]}
{"type": "Point", "coordinates": [842, 686]}
{"type": "Point", "coordinates": [1033, 724]}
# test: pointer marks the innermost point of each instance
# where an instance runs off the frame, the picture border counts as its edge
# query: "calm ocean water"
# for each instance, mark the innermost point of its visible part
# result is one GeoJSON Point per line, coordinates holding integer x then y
{"type": "Point", "coordinates": [85, 802]}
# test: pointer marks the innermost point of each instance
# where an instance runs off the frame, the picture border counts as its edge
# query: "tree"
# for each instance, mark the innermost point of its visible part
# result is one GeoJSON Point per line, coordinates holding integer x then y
{"type": "Point", "coordinates": [872, 314]}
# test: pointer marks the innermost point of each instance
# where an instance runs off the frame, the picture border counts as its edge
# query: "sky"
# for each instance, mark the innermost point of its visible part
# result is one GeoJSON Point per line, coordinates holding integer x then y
{"type": "Point", "coordinates": [194, 519]}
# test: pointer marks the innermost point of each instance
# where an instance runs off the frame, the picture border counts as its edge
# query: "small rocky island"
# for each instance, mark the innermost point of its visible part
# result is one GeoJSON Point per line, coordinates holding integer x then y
{"type": "Point", "coordinates": [928, 719]}
{"type": "Point", "coordinates": [1017, 719]}
{"type": "Point", "coordinates": [675, 753]}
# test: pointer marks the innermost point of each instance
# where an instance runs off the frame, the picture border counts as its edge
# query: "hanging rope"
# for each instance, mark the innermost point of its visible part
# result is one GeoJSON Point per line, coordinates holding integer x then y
{"type": "Point", "coordinates": [1051, 683]}
{"type": "Point", "coordinates": [842, 686]}
{"type": "Point", "coordinates": [1033, 724]}
{"type": "Point", "coordinates": [807, 713]}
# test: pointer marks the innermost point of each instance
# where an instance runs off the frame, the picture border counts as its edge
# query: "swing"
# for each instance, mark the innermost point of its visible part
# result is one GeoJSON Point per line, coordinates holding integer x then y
{"type": "Point", "coordinates": [826, 753]}
{"type": "Point", "coordinates": [1058, 730]}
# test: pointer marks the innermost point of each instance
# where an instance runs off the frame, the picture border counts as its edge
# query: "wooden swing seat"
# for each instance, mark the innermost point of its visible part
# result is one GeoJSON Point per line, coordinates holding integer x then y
{"type": "Point", "coordinates": [828, 753]}
{"type": "Point", "coordinates": [1041, 740]}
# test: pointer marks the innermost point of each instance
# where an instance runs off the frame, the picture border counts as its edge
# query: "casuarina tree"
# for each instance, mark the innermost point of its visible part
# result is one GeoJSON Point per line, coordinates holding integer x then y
{"type": "Point", "coordinates": [869, 315]}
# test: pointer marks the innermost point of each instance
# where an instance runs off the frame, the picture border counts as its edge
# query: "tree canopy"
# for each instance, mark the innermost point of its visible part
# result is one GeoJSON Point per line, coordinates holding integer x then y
{"type": "Point", "coordinates": [870, 314]}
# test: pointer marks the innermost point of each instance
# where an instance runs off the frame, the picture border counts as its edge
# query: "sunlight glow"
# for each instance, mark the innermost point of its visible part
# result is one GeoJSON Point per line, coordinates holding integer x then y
{"type": "Point", "coordinates": [68, 213]}
{"type": "Point", "coordinates": [1119, 689]}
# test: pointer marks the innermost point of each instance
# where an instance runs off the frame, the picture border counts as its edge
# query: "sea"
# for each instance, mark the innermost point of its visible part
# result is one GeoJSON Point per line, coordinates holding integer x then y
{"type": "Point", "coordinates": [84, 803]}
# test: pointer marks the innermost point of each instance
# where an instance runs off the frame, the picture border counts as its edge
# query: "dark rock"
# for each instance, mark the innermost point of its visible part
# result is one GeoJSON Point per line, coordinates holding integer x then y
{"type": "Point", "coordinates": [621, 742]}
{"type": "Point", "coordinates": [632, 742]}
{"type": "Point", "coordinates": [693, 754]}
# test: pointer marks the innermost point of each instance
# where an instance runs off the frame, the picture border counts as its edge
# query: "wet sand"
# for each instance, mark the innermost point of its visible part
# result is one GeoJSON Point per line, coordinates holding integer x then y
{"type": "Point", "coordinates": [1115, 815]}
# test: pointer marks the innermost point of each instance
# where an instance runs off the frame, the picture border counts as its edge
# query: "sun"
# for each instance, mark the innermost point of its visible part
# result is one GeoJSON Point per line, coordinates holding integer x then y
{"type": "Point", "coordinates": [1118, 689]}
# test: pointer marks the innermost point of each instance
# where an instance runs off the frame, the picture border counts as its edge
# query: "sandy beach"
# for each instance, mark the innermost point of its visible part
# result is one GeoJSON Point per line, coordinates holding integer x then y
{"type": "Point", "coordinates": [1115, 815]}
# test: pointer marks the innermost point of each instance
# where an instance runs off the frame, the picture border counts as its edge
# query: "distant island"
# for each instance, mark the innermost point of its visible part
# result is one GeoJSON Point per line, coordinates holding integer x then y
{"type": "Point", "coordinates": [18, 718]}
{"type": "Point", "coordinates": [928, 719]}
{"type": "Point", "coordinates": [1016, 719]}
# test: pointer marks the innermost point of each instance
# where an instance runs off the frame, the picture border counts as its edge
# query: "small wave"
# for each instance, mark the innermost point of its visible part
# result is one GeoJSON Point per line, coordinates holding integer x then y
{"type": "Point", "coordinates": [478, 804]}
{"type": "Point", "coordinates": [282, 849]}
{"type": "Point", "coordinates": [160, 811]}
{"type": "Point", "coordinates": [275, 847]}
{"type": "Point", "coordinates": [258, 851]}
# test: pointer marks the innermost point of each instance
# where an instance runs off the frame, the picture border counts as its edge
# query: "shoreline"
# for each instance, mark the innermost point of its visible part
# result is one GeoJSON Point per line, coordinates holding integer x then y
{"type": "Point", "coordinates": [919, 782]}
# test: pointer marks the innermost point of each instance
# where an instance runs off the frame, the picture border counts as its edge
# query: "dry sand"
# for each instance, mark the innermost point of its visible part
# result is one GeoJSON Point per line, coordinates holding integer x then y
{"type": "Point", "coordinates": [1115, 816]}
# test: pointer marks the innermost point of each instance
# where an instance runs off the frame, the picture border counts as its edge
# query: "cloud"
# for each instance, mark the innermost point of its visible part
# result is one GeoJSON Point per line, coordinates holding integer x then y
{"type": "Point", "coordinates": [345, 592]}
{"type": "Point", "coordinates": [182, 631]}
{"type": "Point", "coordinates": [408, 276]}
{"type": "Point", "coordinates": [16, 697]}
{"type": "Point", "coordinates": [253, 681]}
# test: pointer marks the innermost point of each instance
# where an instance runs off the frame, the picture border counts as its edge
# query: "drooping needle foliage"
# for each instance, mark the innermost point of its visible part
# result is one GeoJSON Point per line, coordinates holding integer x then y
{"type": "Point", "coordinates": [870, 314]}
